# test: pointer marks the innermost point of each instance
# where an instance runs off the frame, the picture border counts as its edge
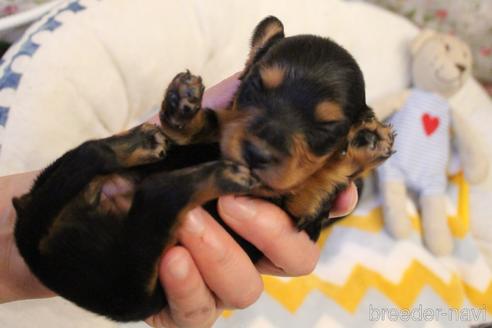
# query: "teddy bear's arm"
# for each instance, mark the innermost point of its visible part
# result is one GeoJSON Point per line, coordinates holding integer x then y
{"type": "Point", "coordinates": [471, 149]}
{"type": "Point", "coordinates": [387, 106]}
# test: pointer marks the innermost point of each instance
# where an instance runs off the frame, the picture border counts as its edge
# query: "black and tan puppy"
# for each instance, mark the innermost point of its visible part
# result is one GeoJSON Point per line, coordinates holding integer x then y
{"type": "Point", "coordinates": [297, 131]}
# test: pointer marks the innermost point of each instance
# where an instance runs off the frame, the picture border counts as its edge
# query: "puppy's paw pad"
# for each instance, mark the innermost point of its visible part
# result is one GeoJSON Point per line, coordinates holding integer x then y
{"type": "Point", "coordinates": [375, 139]}
{"type": "Point", "coordinates": [155, 141]}
{"type": "Point", "coordinates": [142, 145]}
{"type": "Point", "coordinates": [183, 100]}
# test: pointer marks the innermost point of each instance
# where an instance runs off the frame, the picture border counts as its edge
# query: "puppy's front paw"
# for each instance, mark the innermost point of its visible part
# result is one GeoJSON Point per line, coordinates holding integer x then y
{"type": "Point", "coordinates": [373, 141]}
{"type": "Point", "coordinates": [236, 178]}
{"type": "Point", "coordinates": [182, 101]}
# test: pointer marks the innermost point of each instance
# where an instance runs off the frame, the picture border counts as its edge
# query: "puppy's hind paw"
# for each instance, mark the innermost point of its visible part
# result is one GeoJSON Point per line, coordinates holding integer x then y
{"type": "Point", "coordinates": [143, 144]}
{"type": "Point", "coordinates": [154, 142]}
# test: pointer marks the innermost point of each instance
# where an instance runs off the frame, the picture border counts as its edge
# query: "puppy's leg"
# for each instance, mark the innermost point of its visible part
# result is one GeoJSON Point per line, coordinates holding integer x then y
{"type": "Point", "coordinates": [181, 115]}
{"type": "Point", "coordinates": [369, 144]}
{"type": "Point", "coordinates": [70, 174]}
{"type": "Point", "coordinates": [162, 200]}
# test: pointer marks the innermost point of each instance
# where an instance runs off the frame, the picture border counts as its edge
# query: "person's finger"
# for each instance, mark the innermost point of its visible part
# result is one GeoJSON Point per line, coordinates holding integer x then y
{"type": "Point", "coordinates": [270, 229]}
{"type": "Point", "coordinates": [225, 267]}
{"type": "Point", "coordinates": [190, 302]}
{"type": "Point", "coordinates": [345, 202]}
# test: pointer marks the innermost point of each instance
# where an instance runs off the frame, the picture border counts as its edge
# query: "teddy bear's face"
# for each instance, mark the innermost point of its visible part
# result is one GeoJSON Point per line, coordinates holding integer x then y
{"type": "Point", "coordinates": [441, 64]}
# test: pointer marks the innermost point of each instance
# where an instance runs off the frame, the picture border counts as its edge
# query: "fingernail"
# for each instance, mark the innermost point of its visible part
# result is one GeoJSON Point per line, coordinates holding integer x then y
{"type": "Point", "coordinates": [178, 267]}
{"type": "Point", "coordinates": [239, 208]}
{"type": "Point", "coordinates": [194, 222]}
{"type": "Point", "coordinates": [347, 202]}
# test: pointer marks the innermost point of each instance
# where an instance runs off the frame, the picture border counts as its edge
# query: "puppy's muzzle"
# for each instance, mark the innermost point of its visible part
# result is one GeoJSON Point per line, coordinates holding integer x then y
{"type": "Point", "coordinates": [255, 157]}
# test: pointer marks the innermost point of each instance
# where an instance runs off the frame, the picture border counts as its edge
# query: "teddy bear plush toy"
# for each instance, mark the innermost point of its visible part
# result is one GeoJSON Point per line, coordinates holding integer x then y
{"type": "Point", "coordinates": [425, 125]}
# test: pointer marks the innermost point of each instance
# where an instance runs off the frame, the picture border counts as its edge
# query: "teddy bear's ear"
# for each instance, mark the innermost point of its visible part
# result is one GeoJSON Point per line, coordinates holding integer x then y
{"type": "Point", "coordinates": [421, 39]}
{"type": "Point", "coordinates": [266, 33]}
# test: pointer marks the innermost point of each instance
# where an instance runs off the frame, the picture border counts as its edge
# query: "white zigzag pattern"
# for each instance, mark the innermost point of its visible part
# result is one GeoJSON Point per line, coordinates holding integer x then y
{"type": "Point", "coordinates": [327, 321]}
{"type": "Point", "coordinates": [433, 324]}
{"type": "Point", "coordinates": [387, 324]}
{"type": "Point", "coordinates": [261, 323]}
{"type": "Point", "coordinates": [477, 274]}
{"type": "Point", "coordinates": [392, 266]}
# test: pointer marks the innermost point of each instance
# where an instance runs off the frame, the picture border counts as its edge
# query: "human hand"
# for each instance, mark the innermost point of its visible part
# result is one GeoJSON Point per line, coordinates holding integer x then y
{"type": "Point", "coordinates": [209, 272]}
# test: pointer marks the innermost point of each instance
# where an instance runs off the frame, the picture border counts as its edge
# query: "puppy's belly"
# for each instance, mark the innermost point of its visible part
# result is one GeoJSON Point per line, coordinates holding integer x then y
{"type": "Point", "coordinates": [111, 194]}
{"type": "Point", "coordinates": [117, 194]}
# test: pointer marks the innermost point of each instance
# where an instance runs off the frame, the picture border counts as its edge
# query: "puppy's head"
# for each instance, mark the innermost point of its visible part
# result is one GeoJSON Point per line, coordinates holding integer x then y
{"type": "Point", "coordinates": [298, 99]}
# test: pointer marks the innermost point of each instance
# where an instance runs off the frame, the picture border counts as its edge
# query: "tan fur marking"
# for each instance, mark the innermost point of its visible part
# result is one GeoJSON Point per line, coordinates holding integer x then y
{"type": "Point", "coordinates": [272, 77]}
{"type": "Point", "coordinates": [307, 199]}
{"type": "Point", "coordinates": [295, 168]}
{"type": "Point", "coordinates": [135, 158]}
{"type": "Point", "coordinates": [184, 136]}
{"type": "Point", "coordinates": [268, 33]}
{"type": "Point", "coordinates": [128, 156]}
{"type": "Point", "coordinates": [328, 111]}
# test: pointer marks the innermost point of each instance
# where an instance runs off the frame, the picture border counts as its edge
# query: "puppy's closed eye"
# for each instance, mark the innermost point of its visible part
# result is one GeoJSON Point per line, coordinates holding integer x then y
{"type": "Point", "coordinates": [323, 138]}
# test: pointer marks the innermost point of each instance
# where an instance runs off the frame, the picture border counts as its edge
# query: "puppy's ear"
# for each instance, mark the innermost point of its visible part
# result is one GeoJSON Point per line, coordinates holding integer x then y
{"type": "Point", "coordinates": [266, 33]}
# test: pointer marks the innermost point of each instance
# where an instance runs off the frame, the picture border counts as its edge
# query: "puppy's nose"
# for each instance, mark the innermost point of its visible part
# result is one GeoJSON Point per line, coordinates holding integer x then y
{"type": "Point", "coordinates": [254, 156]}
{"type": "Point", "coordinates": [461, 67]}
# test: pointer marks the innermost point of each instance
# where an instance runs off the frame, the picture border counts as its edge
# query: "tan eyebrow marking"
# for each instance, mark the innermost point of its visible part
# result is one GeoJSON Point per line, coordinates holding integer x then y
{"type": "Point", "coordinates": [327, 111]}
{"type": "Point", "coordinates": [272, 76]}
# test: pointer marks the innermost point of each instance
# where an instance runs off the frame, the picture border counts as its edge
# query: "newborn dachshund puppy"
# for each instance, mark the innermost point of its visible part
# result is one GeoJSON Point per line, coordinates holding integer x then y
{"type": "Point", "coordinates": [96, 222]}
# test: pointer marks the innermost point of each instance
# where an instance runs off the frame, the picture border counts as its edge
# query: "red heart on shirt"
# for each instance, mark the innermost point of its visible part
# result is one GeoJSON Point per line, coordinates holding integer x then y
{"type": "Point", "coordinates": [431, 123]}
